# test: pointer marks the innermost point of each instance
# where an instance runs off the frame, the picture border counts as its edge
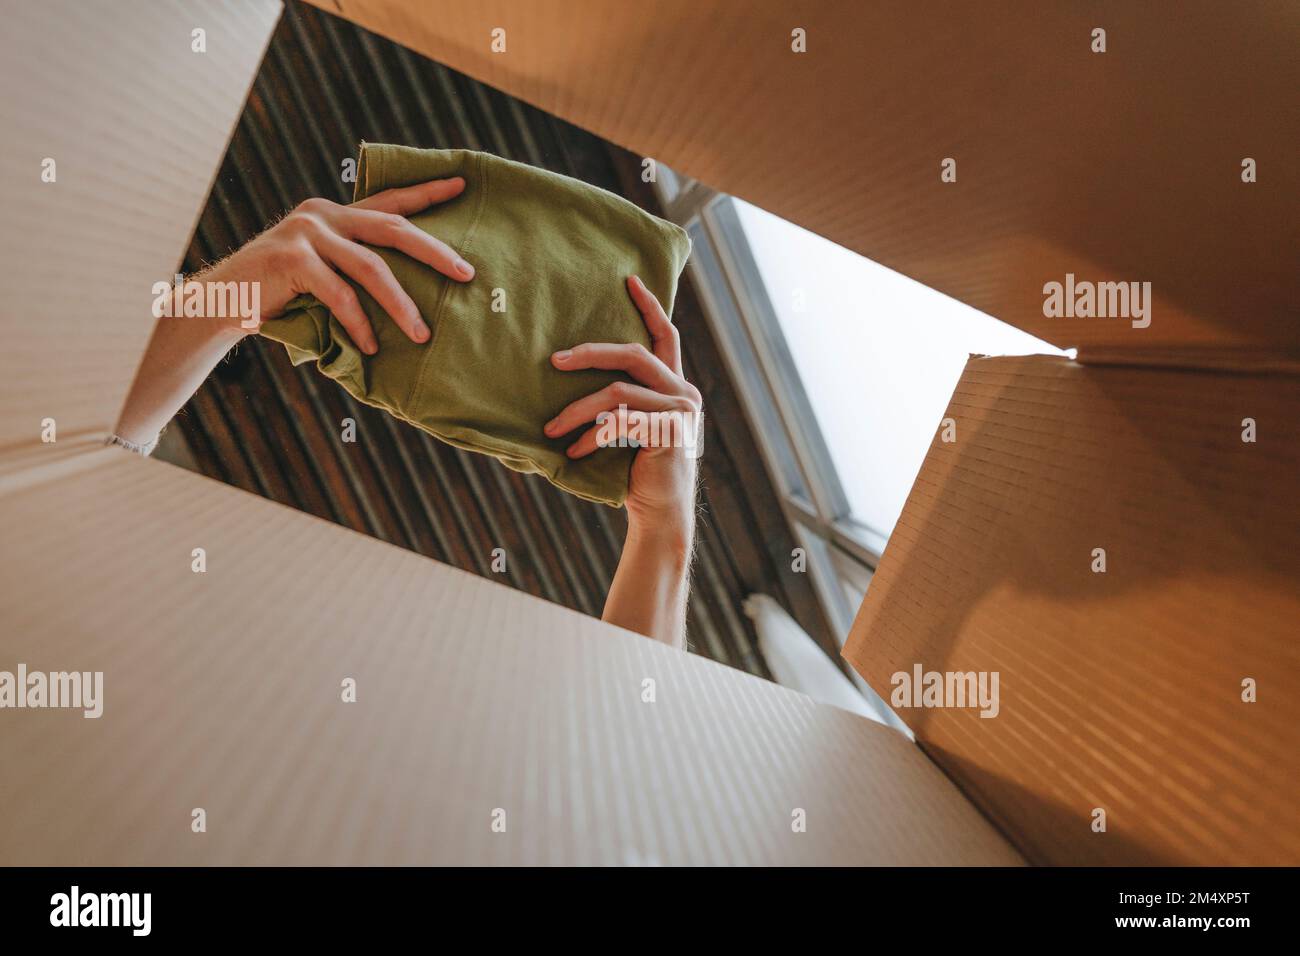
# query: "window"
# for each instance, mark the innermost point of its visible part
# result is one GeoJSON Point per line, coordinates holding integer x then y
{"type": "Point", "coordinates": [878, 355]}
{"type": "Point", "coordinates": [845, 368]}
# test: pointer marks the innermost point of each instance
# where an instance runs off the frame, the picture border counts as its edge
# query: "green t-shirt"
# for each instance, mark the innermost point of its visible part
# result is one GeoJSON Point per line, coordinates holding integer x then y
{"type": "Point", "coordinates": [551, 253]}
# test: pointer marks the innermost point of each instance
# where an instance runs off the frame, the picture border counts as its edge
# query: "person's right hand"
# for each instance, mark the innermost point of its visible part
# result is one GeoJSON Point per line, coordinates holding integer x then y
{"type": "Point", "coordinates": [306, 250]}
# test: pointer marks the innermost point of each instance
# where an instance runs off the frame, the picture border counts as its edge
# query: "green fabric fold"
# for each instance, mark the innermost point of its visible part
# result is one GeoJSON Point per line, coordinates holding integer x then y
{"type": "Point", "coordinates": [555, 252]}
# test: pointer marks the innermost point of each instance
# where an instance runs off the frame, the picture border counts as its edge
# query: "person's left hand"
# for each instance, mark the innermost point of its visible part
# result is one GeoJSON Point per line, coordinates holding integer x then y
{"type": "Point", "coordinates": [659, 411]}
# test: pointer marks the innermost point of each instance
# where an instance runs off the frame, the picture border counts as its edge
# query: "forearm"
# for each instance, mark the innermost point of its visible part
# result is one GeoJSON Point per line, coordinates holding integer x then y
{"type": "Point", "coordinates": [652, 582]}
{"type": "Point", "coordinates": [181, 354]}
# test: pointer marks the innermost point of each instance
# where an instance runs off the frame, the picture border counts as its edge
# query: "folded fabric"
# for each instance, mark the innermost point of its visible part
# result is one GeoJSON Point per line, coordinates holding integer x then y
{"type": "Point", "coordinates": [551, 253]}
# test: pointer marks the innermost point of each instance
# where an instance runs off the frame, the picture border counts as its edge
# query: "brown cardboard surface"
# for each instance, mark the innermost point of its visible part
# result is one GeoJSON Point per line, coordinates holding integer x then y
{"type": "Point", "coordinates": [136, 123]}
{"type": "Point", "coordinates": [1120, 690]}
{"type": "Point", "coordinates": [222, 690]}
{"type": "Point", "coordinates": [1115, 166]}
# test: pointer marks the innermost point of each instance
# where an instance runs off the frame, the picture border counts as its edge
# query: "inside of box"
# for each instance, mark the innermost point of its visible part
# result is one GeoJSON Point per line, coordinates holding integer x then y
{"type": "Point", "coordinates": [1121, 690]}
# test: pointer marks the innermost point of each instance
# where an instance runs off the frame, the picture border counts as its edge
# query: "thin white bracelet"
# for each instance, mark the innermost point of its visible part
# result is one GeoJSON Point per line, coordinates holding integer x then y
{"type": "Point", "coordinates": [146, 449]}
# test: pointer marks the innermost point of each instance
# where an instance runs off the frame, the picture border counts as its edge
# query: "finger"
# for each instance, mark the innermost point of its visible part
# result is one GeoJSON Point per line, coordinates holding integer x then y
{"type": "Point", "coordinates": [340, 298]}
{"type": "Point", "coordinates": [585, 409]}
{"type": "Point", "coordinates": [667, 345]}
{"type": "Point", "coordinates": [366, 268]}
{"type": "Point", "coordinates": [589, 442]}
{"type": "Point", "coordinates": [628, 428]}
{"type": "Point", "coordinates": [408, 200]}
{"type": "Point", "coordinates": [648, 429]}
{"type": "Point", "coordinates": [635, 359]}
{"type": "Point", "coordinates": [397, 232]}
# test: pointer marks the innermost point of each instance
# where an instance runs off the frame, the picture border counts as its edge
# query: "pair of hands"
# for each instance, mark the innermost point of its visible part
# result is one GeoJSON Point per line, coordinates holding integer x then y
{"type": "Point", "coordinates": [305, 252]}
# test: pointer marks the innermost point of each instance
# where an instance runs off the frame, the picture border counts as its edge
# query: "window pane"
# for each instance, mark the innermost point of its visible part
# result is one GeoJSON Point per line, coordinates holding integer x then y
{"type": "Point", "coordinates": [729, 328]}
{"type": "Point", "coordinates": [878, 355]}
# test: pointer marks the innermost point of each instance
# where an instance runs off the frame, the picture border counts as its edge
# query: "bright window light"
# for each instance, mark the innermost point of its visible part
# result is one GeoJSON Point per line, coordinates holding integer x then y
{"type": "Point", "coordinates": [878, 354]}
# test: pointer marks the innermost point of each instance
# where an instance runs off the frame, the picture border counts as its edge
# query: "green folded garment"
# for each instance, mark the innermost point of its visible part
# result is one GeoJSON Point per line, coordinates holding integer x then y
{"type": "Point", "coordinates": [560, 250]}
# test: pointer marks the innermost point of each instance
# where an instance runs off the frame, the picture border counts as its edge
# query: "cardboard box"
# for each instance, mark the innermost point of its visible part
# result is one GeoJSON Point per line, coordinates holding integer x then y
{"type": "Point", "coordinates": [488, 727]}
{"type": "Point", "coordinates": [479, 705]}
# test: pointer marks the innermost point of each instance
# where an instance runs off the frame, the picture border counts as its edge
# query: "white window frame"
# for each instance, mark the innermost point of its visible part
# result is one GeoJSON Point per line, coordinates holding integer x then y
{"type": "Point", "coordinates": [740, 314]}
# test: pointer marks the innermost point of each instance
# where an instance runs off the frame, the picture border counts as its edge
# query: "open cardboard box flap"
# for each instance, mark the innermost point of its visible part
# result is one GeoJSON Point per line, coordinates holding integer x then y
{"type": "Point", "coordinates": [1122, 689]}
{"type": "Point", "coordinates": [474, 702]}
{"type": "Point", "coordinates": [136, 128]}
{"type": "Point", "coordinates": [1117, 166]}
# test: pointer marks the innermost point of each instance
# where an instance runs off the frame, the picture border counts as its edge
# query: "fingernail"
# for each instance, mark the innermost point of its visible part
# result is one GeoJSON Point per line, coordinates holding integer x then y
{"type": "Point", "coordinates": [464, 268]}
{"type": "Point", "coordinates": [563, 355]}
{"type": "Point", "coordinates": [421, 331]}
{"type": "Point", "coordinates": [550, 426]}
{"type": "Point", "coordinates": [637, 280]}
{"type": "Point", "coordinates": [370, 348]}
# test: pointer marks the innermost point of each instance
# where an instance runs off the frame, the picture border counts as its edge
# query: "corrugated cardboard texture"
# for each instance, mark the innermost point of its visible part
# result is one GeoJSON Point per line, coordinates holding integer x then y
{"type": "Point", "coordinates": [223, 691]}
{"type": "Point", "coordinates": [1119, 690]}
{"type": "Point", "coordinates": [136, 123]}
{"type": "Point", "coordinates": [1117, 166]}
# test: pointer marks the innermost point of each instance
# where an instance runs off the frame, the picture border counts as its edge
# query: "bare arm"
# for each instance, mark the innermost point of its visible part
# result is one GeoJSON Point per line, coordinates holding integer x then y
{"type": "Point", "coordinates": [180, 355]}
{"type": "Point", "coordinates": [662, 411]}
{"type": "Point", "coordinates": [652, 583]}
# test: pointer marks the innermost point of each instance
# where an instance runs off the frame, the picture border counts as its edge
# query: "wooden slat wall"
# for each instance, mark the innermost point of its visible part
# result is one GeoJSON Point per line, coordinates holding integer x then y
{"type": "Point", "coordinates": [264, 426]}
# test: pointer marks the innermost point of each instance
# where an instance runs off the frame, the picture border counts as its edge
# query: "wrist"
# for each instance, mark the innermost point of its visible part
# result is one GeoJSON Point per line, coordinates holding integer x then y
{"type": "Point", "coordinates": [670, 535]}
{"type": "Point", "coordinates": [230, 330]}
{"type": "Point", "coordinates": [237, 314]}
